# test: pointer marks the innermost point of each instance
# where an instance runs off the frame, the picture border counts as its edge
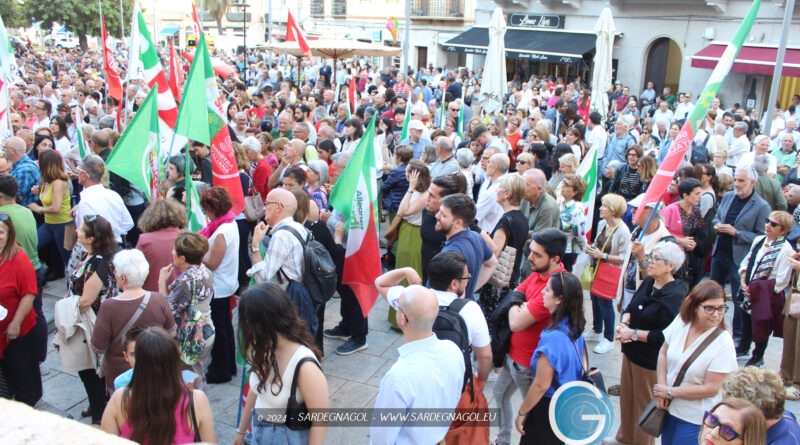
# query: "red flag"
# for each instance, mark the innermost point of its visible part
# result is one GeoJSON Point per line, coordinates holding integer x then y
{"type": "Point", "coordinates": [174, 72]}
{"type": "Point", "coordinates": [198, 28]}
{"type": "Point", "coordinates": [112, 77]}
{"type": "Point", "coordinates": [668, 168]}
{"type": "Point", "coordinates": [351, 93]}
{"type": "Point", "coordinates": [293, 34]}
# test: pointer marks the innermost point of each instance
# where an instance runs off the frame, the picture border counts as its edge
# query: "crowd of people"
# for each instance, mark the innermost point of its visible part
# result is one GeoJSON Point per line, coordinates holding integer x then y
{"type": "Point", "coordinates": [483, 218]}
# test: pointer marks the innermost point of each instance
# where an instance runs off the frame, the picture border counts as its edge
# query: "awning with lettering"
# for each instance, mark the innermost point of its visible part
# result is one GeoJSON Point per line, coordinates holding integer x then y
{"type": "Point", "coordinates": [553, 45]}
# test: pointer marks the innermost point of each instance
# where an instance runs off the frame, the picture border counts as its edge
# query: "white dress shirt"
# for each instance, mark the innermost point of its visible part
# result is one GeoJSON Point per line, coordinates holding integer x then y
{"type": "Point", "coordinates": [489, 211]}
{"type": "Point", "coordinates": [428, 375]}
{"type": "Point", "coordinates": [98, 200]}
{"type": "Point", "coordinates": [739, 147]}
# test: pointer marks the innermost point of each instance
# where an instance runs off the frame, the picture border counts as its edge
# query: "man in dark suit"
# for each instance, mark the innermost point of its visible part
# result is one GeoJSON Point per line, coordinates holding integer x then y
{"type": "Point", "coordinates": [739, 220]}
{"type": "Point", "coordinates": [325, 72]}
{"type": "Point", "coordinates": [557, 114]}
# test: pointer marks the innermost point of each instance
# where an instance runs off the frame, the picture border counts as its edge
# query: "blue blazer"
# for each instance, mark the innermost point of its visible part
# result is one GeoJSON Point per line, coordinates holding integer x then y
{"type": "Point", "coordinates": [749, 222]}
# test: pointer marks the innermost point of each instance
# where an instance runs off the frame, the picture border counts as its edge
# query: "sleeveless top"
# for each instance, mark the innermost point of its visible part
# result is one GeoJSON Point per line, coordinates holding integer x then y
{"type": "Point", "coordinates": [184, 432]}
{"type": "Point", "coordinates": [63, 215]}
{"type": "Point", "coordinates": [267, 399]}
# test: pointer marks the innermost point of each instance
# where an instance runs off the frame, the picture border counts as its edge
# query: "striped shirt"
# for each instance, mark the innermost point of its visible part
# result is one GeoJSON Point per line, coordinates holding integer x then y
{"type": "Point", "coordinates": [284, 253]}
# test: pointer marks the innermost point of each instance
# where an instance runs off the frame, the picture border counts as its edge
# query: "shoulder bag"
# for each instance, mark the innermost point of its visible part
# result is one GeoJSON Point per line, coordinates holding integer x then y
{"type": "Point", "coordinates": [651, 421]}
{"type": "Point", "coordinates": [501, 277]}
{"type": "Point", "coordinates": [589, 272]}
{"type": "Point", "coordinates": [253, 204]}
{"type": "Point", "coordinates": [297, 417]}
{"type": "Point", "coordinates": [589, 375]}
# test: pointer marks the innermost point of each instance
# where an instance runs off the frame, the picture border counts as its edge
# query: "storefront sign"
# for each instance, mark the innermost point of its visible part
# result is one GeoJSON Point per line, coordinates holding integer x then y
{"type": "Point", "coordinates": [536, 21]}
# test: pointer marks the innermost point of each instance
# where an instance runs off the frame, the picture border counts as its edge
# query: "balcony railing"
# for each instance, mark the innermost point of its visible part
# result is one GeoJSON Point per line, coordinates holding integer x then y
{"type": "Point", "coordinates": [339, 8]}
{"type": "Point", "coordinates": [437, 9]}
{"type": "Point", "coordinates": [317, 8]}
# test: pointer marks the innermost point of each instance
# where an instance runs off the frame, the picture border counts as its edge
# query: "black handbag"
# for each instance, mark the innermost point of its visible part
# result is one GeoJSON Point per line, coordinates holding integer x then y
{"type": "Point", "coordinates": [651, 421]}
{"type": "Point", "coordinates": [297, 418]}
{"type": "Point", "coordinates": [590, 375]}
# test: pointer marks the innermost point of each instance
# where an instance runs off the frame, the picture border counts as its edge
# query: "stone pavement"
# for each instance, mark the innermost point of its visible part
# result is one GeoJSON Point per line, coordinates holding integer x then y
{"type": "Point", "coordinates": [353, 381]}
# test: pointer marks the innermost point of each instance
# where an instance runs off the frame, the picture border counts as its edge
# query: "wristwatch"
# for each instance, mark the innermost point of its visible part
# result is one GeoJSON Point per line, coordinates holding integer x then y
{"type": "Point", "coordinates": [669, 393]}
{"type": "Point", "coordinates": [635, 335]}
{"type": "Point", "coordinates": [254, 249]}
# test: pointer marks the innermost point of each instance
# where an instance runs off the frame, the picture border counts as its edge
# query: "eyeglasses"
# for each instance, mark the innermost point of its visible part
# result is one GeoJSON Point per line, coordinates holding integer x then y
{"type": "Point", "coordinates": [773, 224]}
{"type": "Point", "coordinates": [709, 309]}
{"type": "Point", "coordinates": [268, 203]}
{"type": "Point", "coordinates": [729, 434]}
{"type": "Point", "coordinates": [468, 277]}
{"type": "Point", "coordinates": [653, 258]}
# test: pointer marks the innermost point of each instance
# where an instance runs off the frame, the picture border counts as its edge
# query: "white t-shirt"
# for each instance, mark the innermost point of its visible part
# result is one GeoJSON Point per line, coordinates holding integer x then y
{"type": "Point", "coordinates": [477, 329]}
{"type": "Point", "coordinates": [226, 276]}
{"type": "Point", "coordinates": [598, 138]}
{"type": "Point", "coordinates": [719, 356]}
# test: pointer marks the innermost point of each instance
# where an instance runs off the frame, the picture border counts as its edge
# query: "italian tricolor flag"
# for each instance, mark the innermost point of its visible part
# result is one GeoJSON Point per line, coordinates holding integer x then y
{"type": "Point", "coordinates": [134, 156]}
{"type": "Point", "coordinates": [197, 219]}
{"type": "Point", "coordinates": [667, 169]}
{"type": "Point", "coordinates": [355, 197]}
{"type": "Point", "coordinates": [588, 171]}
{"type": "Point", "coordinates": [201, 119]}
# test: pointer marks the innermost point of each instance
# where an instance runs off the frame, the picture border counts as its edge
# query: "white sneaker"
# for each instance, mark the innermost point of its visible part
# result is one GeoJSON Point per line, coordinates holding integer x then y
{"type": "Point", "coordinates": [592, 336]}
{"type": "Point", "coordinates": [603, 347]}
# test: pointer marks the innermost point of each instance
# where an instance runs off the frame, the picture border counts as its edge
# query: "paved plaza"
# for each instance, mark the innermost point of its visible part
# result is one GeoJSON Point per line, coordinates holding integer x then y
{"type": "Point", "coordinates": [353, 381]}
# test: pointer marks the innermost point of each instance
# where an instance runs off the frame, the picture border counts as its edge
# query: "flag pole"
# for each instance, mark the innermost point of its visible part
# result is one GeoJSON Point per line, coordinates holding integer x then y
{"type": "Point", "coordinates": [649, 220]}
{"type": "Point", "coordinates": [776, 75]}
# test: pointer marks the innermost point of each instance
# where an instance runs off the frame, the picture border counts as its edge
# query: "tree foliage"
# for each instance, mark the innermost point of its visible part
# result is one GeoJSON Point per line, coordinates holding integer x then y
{"type": "Point", "coordinates": [218, 9]}
{"type": "Point", "coordinates": [80, 16]}
{"type": "Point", "coordinates": [13, 15]}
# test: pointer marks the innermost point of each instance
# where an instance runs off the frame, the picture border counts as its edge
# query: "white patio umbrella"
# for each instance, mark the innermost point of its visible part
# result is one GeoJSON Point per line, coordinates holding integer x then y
{"type": "Point", "coordinates": [601, 75]}
{"type": "Point", "coordinates": [495, 84]}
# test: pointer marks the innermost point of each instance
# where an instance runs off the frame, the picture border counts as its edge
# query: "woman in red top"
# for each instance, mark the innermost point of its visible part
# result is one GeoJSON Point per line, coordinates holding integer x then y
{"type": "Point", "coordinates": [17, 318]}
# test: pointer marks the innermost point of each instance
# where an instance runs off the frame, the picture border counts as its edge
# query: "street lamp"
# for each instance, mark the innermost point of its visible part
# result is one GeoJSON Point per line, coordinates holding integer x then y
{"type": "Point", "coordinates": [244, 6]}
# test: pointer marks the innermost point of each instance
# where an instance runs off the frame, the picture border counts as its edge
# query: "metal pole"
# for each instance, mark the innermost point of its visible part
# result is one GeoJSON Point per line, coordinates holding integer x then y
{"type": "Point", "coordinates": [776, 75]}
{"type": "Point", "coordinates": [121, 23]}
{"type": "Point", "coordinates": [244, 40]}
{"type": "Point", "coordinates": [404, 68]}
{"type": "Point", "coordinates": [269, 31]}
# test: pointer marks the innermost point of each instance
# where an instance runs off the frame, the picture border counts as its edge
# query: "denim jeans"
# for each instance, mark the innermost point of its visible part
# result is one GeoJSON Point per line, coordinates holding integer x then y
{"type": "Point", "coordinates": [603, 316]}
{"type": "Point", "coordinates": [268, 433]}
{"type": "Point", "coordinates": [678, 432]}
{"type": "Point", "coordinates": [724, 268]}
{"type": "Point", "coordinates": [53, 233]}
{"type": "Point", "coordinates": [512, 376]}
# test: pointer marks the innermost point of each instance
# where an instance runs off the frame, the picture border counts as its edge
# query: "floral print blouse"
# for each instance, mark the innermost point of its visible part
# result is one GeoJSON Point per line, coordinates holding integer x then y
{"type": "Point", "coordinates": [198, 279]}
{"type": "Point", "coordinates": [573, 222]}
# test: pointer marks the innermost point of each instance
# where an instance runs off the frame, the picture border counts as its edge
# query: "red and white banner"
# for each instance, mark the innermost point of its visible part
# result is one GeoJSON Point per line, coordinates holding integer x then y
{"type": "Point", "coordinates": [198, 28]}
{"type": "Point", "coordinates": [112, 77]}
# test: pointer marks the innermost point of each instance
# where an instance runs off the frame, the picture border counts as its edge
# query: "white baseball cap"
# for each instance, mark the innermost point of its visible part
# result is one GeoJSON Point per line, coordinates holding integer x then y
{"type": "Point", "coordinates": [416, 124]}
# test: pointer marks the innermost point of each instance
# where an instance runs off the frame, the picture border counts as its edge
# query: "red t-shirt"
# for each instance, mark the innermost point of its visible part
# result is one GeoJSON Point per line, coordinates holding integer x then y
{"type": "Point", "coordinates": [524, 342]}
{"type": "Point", "coordinates": [17, 279]}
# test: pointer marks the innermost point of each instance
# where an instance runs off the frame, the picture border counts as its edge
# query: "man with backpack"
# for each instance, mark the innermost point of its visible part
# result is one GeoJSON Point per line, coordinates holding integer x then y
{"type": "Point", "coordinates": [447, 278]}
{"type": "Point", "coordinates": [283, 259]}
{"type": "Point", "coordinates": [428, 374]}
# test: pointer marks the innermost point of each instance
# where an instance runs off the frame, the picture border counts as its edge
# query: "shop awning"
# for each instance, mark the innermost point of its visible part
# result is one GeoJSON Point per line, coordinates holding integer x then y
{"type": "Point", "coordinates": [751, 59]}
{"type": "Point", "coordinates": [554, 46]}
{"type": "Point", "coordinates": [169, 30]}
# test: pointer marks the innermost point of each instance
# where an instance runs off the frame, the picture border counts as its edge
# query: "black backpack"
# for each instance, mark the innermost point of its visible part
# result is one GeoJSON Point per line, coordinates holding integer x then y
{"type": "Point", "coordinates": [700, 152]}
{"type": "Point", "coordinates": [449, 325]}
{"type": "Point", "coordinates": [319, 271]}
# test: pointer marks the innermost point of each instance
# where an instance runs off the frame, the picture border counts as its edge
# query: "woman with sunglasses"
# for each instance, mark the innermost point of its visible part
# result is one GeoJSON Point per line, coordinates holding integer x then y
{"type": "Point", "coordinates": [94, 280]}
{"type": "Point", "coordinates": [652, 308]}
{"type": "Point", "coordinates": [701, 314]}
{"type": "Point", "coordinates": [733, 422]}
{"type": "Point", "coordinates": [766, 273]}
{"type": "Point", "coordinates": [557, 360]}
{"type": "Point", "coordinates": [648, 142]}
{"type": "Point", "coordinates": [18, 338]}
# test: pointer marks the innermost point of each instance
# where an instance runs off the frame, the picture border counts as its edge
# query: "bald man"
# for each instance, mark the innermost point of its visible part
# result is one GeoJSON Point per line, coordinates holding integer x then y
{"type": "Point", "coordinates": [284, 253]}
{"type": "Point", "coordinates": [292, 155]}
{"type": "Point", "coordinates": [428, 374]}
{"type": "Point", "coordinates": [22, 168]}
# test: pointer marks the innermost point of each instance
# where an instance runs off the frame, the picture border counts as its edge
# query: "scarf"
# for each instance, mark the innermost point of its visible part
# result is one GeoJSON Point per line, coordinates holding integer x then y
{"type": "Point", "coordinates": [212, 227]}
{"type": "Point", "coordinates": [767, 262]}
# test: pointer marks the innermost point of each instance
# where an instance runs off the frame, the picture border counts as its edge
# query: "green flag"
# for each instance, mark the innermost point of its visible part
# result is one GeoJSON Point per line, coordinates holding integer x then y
{"type": "Point", "coordinates": [79, 132]}
{"type": "Point", "coordinates": [195, 120]}
{"type": "Point", "coordinates": [135, 155]}
{"type": "Point", "coordinates": [197, 219]}
{"type": "Point", "coordinates": [460, 124]}
{"type": "Point", "coordinates": [406, 120]}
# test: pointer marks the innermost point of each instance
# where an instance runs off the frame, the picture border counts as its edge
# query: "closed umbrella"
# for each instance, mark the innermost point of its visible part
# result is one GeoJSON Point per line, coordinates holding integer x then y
{"type": "Point", "coordinates": [601, 76]}
{"type": "Point", "coordinates": [494, 86]}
